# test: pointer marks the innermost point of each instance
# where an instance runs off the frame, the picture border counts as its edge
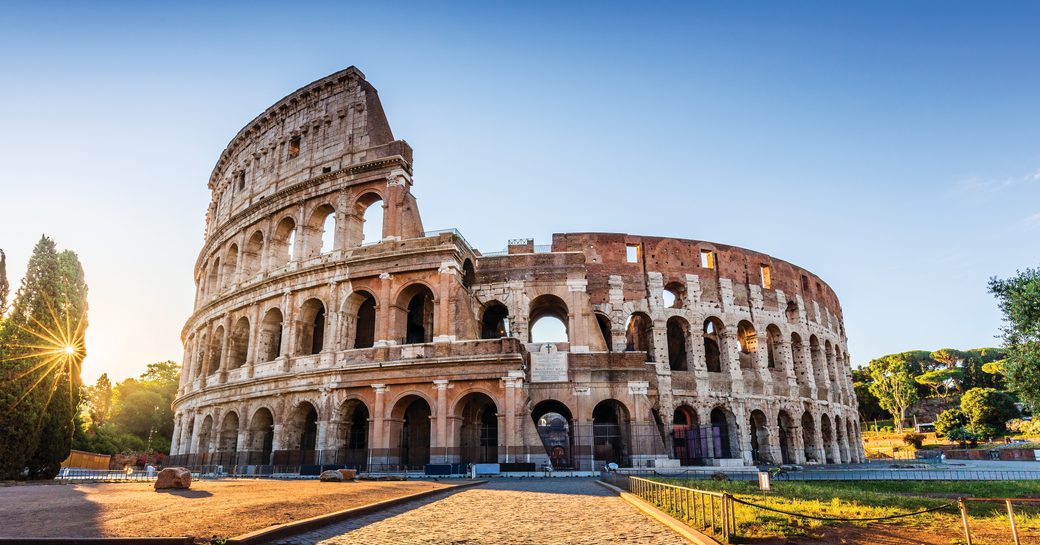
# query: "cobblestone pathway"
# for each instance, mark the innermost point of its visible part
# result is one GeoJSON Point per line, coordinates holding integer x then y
{"type": "Point", "coordinates": [555, 511]}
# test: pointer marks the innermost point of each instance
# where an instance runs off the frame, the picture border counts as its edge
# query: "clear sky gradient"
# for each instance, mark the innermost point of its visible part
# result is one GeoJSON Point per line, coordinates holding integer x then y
{"type": "Point", "coordinates": [893, 148]}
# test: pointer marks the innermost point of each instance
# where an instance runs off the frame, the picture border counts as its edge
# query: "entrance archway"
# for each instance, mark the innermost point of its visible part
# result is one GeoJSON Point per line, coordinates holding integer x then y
{"type": "Point", "coordinates": [610, 437]}
{"type": "Point", "coordinates": [555, 428]}
{"type": "Point", "coordinates": [412, 415]}
{"type": "Point", "coordinates": [477, 418]}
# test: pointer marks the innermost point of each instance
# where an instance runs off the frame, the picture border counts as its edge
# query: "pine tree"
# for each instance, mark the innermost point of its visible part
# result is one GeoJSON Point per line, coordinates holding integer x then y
{"type": "Point", "coordinates": [39, 380]}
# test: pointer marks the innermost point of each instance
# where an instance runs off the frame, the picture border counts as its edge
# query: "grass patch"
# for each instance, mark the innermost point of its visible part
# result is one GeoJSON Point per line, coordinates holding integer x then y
{"type": "Point", "coordinates": [868, 499]}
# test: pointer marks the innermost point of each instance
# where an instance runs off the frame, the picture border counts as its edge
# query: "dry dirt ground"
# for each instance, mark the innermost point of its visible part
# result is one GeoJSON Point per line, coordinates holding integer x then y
{"type": "Point", "coordinates": [208, 509]}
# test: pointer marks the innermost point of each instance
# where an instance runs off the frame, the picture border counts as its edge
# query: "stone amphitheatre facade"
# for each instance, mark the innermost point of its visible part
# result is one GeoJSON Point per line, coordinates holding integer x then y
{"type": "Point", "coordinates": [310, 345]}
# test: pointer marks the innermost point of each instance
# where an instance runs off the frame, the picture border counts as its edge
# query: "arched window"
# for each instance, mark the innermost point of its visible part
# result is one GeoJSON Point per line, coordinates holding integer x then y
{"type": "Point", "coordinates": [604, 329]}
{"type": "Point", "coordinates": [819, 364]}
{"type": "Point", "coordinates": [748, 340]}
{"type": "Point", "coordinates": [468, 274]}
{"type": "Point", "coordinates": [495, 322]}
{"type": "Point", "coordinates": [639, 335]}
{"type": "Point", "coordinates": [228, 276]}
{"type": "Point", "coordinates": [773, 346]}
{"type": "Point", "coordinates": [713, 345]}
{"type": "Point", "coordinates": [251, 255]}
{"type": "Point", "coordinates": [239, 343]}
{"type": "Point", "coordinates": [792, 312]}
{"type": "Point", "coordinates": [365, 323]}
{"type": "Point", "coordinates": [213, 279]}
{"type": "Point", "coordinates": [283, 242]}
{"type": "Point", "coordinates": [312, 328]}
{"type": "Point", "coordinates": [321, 231]}
{"type": "Point", "coordinates": [216, 350]}
{"type": "Point", "coordinates": [678, 331]}
{"type": "Point", "coordinates": [365, 223]}
{"type": "Point", "coordinates": [548, 316]}
{"type": "Point", "coordinates": [270, 345]}
{"type": "Point", "coordinates": [674, 295]}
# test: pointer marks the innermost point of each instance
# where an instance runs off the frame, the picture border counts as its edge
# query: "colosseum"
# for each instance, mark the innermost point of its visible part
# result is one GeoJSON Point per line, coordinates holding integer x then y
{"type": "Point", "coordinates": [319, 340]}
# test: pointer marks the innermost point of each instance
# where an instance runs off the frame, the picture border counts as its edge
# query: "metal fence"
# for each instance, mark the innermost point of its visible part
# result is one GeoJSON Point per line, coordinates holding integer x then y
{"type": "Point", "coordinates": [704, 510]}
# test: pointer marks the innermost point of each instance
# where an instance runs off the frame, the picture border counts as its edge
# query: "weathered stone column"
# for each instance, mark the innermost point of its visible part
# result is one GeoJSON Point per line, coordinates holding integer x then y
{"type": "Point", "coordinates": [442, 325]}
{"type": "Point", "coordinates": [385, 316]}
{"type": "Point", "coordinates": [773, 438]}
{"type": "Point", "coordinates": [511, 383]}
{"type": "Point", "coordinates": [797, 444]}
{"type": "Point", "coordinates": [440, 443]}
{"type": "Point", "coordinates": [579, 318]}
{"type": "Point", "coordinates": [378, 444]}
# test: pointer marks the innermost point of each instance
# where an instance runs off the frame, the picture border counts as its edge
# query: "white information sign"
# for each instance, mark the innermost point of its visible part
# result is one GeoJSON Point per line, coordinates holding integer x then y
{"type": "Point", "coordinates": [548, 365]}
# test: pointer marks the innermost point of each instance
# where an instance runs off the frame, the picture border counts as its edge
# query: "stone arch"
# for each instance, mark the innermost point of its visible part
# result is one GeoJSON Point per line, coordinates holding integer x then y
{"type": "Point", "coordinates": [639, 334]}
{"type": "Point", "coordinates": [260, 439]}
{"type": "Point", "coordinates": [227, 439]}
{"type": "Point", "coordinates": [759, 429]}
{"type": "Point", "coordinates": [747, 341]}
{"type": "Point", "coordinates": [252, 255]}
{"type": "Point", "coordinates": [724, 433]}
{"type": "Point", "coordinates": [213, 278]}
{"type": "Point", "coordinates": [611, 436]}
{"type": "Point", "coordinates": [786, 428]}
{"type": "Point", "coordinates": [494, 322]}
{"type": "Point", "coordinates": [828, 354]}
{"type": "Point", "coordinates": [354, 420]}
{"type": "Point", "coordinates": [302, 432]}
{"type": "Point", "coordinates": [678, 332]}
{"type": "Point", "coordinates": [774, 340]}
{"type": "Point", "coordinates": [687, 446]}
{"type": "Point", "coordinates": [801, 372]}
{"type": "Point", "coordinates": [269, 345]}
{"type": "Point", "coordinates": [546, 309]}
{"type": "Point", "coordinates": [410, 430]}
{"type": "Point", "coordinates": [366, 218]}
{"type": "Point", "coordinates": [809, 438]}
{"type": "Point", "coordinates": [415, 313]}
{"type": "Point", "coordinates": [239, 343]}
{"type": "Point", "coordinates": [674, 295]}
{"type": "Point", "coordinates": [469, 275]}
{"type": "Point", "coordinates": [321, 231]}
{"type": "Point", "coordinates": [311, 336]}
{"type": "Point", "coordinates": [818, 365]}
{"type": "Point", "coordinates": [712, 336]}
{"type": "Point", "coordinates": [791, 312]}
{"type": "Point", "coordinates": [476, 427]}
{"type": "Point", "coordinates": [202, 357]}
{"type": "Point", "coordinates": [360, 308]}
{"type": "Point", "coordinates": [555, 427]}
{"type": "Point", "coordinates": [206, 435]}
{"type": "Point", "coordinates": [229, 270]}
{"type": "Point", "coordinates": [283, 241]}
{"type": "Point", "coordinates": [216, 350]}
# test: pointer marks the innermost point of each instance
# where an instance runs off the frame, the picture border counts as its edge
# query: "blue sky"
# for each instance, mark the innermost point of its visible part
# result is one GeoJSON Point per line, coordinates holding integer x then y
{"type": "Point", "coordinates": [893, 148]}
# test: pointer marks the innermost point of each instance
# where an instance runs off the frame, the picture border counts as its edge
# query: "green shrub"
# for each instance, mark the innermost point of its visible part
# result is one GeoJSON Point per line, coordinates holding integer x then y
{"type": "Point", "coordinates": [987, 411]}
{"type": "Point", "coordinates": [947, 420]}
{"type": "Point", "coordinates": [914, 439]}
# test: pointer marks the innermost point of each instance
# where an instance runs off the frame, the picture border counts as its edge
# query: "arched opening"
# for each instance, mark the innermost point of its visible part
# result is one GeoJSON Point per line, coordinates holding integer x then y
{"type": "Point", "coordinates": [773, 340]}
{"type": "Point", "coordinates": [818, 363]}
{"type": "Point", "coordinates": [798, 361]}
{"type": "Point", "coordinates": [610, 433]}
{"type": "Point", "coordinates": [227, 441]}
{"type": "Point", "coordinates": [677, 334]}
{"type": "Point", "coordinates": [418, 326]}
{"type": "Point", "coordinates": [785, 430]}
{"type": "Point", "coordinates": [548, 318]}
{"type": "Point", "coordinates": [202, 357]}
{"type": "Point", "coordinates": [553, 421]}
{"type": "Point", "coordinates": [251, 255]}
{"type": "Point", "coordinates": [206, 436]}
{"type": "Point", "coordinates": [354, 434]}
{"type": "Point", "coordinates": [261, 437]}
{"type": "Point", "coordinates": [686, 437]}
{"type": "Point", "coordinates": [365, 222]}
{"type": "Point", "coordinates": [712, 344]}
{"type": "Point", "coordinates": [213, 279]}
{"type": "Point", "coordinates": [322, 231]}
{"type": "Point", "coordinates": [495, 322]}
{"type": "Point", "coordinates": [477, 418]}
{"type": "Point", "coordinates": [365, 322]}
{"type": "Point", "coordinates": [604, 329]}
{"type": "Point", "coordinates": [411, 415]}
{"type": "Point", "coordinates": [312, 327]}
{"type": "Point", "coordinates": [239, 343]}
{"type": "Point", "coordinates": [674, 295]}
{"type": "Point", "coordinates": [828, 439]}
{"type": "Point", "coordinates": [304, 425]}
{"type": "Point", "coordinates": [832, 371]}
{"type": "Point", "coordinates": [747, 339]}
{"type": "Point", "coordinates": [468, 274]}
{"type": "Point", "coordinates": [791, 312]}
{"type": "Point", "coordinates": [759, 438]}
{"type": "Point", "coordinates": [639, 335]}
{"type": "Point", "coordinates": [283, 242]}
{"type": "Point", "coordinates": [720, 434]}
{"type": "Point", "coordinates": [216, 349]}
{"type": "Point", "coordinates": [269, 347]}
{"type": "Point", "coordinates": [809, 437]}
{"type": "Point", "coordinates": [230, 267]}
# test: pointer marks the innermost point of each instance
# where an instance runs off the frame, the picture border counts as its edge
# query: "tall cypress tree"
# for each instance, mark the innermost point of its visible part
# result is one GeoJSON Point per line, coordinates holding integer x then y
{"type": "Point", "coordinates": [49, 312]}
{"type": "Point", "coordinates": [5, 287]}
{"type": "Point", "coordinates": [58, 425]}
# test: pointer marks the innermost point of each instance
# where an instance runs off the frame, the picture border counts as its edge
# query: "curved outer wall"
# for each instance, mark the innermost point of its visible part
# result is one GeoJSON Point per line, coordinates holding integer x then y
{"type": "Point", "coordinates": [311, 346]}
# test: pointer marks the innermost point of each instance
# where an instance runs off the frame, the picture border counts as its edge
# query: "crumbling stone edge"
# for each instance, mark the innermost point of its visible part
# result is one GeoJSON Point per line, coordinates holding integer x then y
{"type": "Point", "coordinates": [305, 525]}
{"type": "Point", "coordinates": [687, 533]}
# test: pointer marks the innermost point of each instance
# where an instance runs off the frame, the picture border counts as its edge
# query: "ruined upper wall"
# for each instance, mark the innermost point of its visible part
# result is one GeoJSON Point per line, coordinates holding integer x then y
{"type": "Point", "coordinates": [606, 255]}
{"type": "Point", "coordinates": [327, 125]}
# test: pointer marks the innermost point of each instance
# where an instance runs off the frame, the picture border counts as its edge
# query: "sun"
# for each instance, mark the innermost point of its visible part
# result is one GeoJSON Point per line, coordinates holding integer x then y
{"type": "Point", "coordinates": [70, 350]}
{"type": "Point", "coordinates": [57, 348]}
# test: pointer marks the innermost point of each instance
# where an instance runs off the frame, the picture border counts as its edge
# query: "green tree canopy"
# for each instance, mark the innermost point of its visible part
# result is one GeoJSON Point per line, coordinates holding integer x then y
{"type": "Point", "coordinates": [1019, 300]}
{"type": "Point", "coordinates": [987, 410]}
{"type": "Point", "coordinates": [941, 380]}
{"type": "Point", "coordinates": [5, 287]}
{"type": "Point", "coordinates": [894, 387]}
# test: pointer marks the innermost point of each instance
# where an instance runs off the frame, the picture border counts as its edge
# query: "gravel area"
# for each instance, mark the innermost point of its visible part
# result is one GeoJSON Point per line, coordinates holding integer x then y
{"type": "Point", "coordinates": [208, 509]}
